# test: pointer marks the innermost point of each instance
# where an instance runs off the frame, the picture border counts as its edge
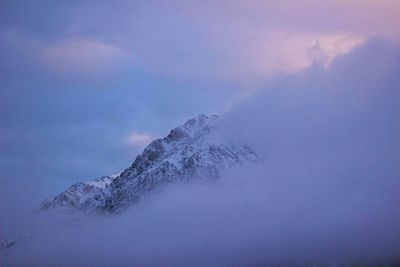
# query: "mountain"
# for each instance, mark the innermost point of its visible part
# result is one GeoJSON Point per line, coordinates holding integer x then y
{"type": "Point", "coordinates": [188, 152]}
{"type": "Point", "coordinates": [83, 195]}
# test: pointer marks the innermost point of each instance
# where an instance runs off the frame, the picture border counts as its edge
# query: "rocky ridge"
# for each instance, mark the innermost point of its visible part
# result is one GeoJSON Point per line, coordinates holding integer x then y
{"type": "Point", "coordinates": [188, 152]}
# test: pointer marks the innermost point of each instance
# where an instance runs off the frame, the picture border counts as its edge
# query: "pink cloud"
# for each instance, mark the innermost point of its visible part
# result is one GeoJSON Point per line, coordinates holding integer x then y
{"type": "Point", "coordinates": [245, 40]}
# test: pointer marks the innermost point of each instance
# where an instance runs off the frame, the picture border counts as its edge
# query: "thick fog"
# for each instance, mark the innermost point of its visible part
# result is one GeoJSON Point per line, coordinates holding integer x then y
{"type": "Point", "coordinates": [327, 189]}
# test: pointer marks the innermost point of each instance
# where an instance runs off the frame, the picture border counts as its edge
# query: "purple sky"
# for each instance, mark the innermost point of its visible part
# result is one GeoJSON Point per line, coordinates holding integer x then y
{"type": "Point", "coordinates": [87, 84]}
{"type": "Point", "coordinates": [312, 86]}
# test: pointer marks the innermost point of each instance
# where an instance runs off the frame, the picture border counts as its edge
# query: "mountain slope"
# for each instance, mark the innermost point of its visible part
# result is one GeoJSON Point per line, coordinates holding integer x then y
{"type": "Point", "coordinates": [191, 151]}
{"type": "Point", "coordinates": [83, 195]}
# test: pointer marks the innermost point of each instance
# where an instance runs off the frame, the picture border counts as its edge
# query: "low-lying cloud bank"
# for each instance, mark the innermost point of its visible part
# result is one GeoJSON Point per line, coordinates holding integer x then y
{"type": "Point", "coordinates": [327, 190]}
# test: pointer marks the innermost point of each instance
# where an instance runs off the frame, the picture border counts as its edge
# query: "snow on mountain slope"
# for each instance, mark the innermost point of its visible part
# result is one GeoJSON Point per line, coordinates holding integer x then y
{"type": "Point", "coordinates": [191, 151]}
{"type": "Point", "coordinates": [84, 195]}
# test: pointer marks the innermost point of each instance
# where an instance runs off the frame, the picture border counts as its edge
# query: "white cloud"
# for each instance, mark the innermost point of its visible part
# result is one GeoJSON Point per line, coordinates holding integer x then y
{"type": "Point", "coordinates": [138, 139]}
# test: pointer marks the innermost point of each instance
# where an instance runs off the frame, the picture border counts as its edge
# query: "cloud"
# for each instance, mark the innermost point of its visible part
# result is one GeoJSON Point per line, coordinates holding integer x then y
{"type": "Point", "coordinates": [208, 40]}
{"type": "Point", "coordinates": [326, 191]}
{"type": "Point", "coordinates": [248, 40]}
{"type": "Point", "coordinates": [139, 139]}
{"type": "Point", "coordinates": [83, 56]}
{"type": "Point", "coordinates": [78, 76]}
{"type": "Point", "coordinates": [289, 52]}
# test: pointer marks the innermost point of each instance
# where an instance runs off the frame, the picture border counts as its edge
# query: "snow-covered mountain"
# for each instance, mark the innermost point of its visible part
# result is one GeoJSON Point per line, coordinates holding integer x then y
{"type": "Point", "coordinates": [83, 195]}
{"type": "Point", "coordinates": [191, 151]}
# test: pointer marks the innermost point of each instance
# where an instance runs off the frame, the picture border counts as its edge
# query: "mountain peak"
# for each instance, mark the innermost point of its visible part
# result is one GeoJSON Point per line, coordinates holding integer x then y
{"type": "Point", "coordinates": [200, 121]}
{"type": "Point", "coordinates": [188, 152]}
{"type": "Point", "coordinates": [192, 128]}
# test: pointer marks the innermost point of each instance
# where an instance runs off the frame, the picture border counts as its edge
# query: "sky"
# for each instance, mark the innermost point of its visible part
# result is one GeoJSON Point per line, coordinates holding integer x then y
{"type": "Point", "coordinates": [89, 83]}
{"type": "Point", "coordinates": [85, 85]}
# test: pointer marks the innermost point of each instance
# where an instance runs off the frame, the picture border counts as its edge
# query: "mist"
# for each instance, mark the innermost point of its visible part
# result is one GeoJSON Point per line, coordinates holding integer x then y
{"type": "Point", "coordinates": [326, 191]}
